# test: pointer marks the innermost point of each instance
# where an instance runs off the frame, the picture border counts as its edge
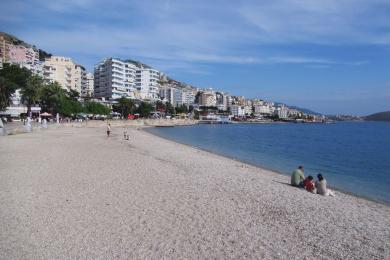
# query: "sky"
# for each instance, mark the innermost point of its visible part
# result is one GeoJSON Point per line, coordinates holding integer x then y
{"type": "Point", "coordinates": [331, 56]}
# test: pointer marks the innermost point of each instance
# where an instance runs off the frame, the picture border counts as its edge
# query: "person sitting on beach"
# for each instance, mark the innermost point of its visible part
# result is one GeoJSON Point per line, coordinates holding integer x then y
{"type": "Point", "coordinates": [298, 177]}
{"type": "Point", "coordinates": [309, 184]}
{"type": "Point", "coordinates": [321, 186]}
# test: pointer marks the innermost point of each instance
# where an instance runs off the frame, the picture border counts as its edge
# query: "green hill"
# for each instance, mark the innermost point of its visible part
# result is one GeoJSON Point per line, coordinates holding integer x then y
{"type": "Point", "coordinates": [381, 116]}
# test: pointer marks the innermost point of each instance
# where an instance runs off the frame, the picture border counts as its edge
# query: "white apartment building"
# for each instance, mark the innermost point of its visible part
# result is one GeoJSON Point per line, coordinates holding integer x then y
{"type": "Point", "coordinates": [177, 96]}
{"type": "Point", "coordinates": [146, 82]}
{"type": "Point", "coordinates": [79, 77]}
{"type": "Point", "coordinates": [248, 110]}
{"type": "Point", "coordinates": [114, 78]}
{"type": "Point", "coordinates": [262, 110]}
{"type": "Point", "coordinates": [87, 86]}
{"type": "Point", "coordinates": [222, 101]}
{"type": "Point", "coordinates": [189, 97]}
{"type": "Point", "coordinates": [281, 112]}
{"type": "Point", "coordinates": [64, 71]}
{"type": "Point", "coordinates": [166, 94]}
{"type": "Point", "coordinates": [237, 110]}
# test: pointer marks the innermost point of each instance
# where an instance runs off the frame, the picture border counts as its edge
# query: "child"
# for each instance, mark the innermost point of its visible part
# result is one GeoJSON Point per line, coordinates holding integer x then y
{"type": "Point", "coordinates": [308, 183]}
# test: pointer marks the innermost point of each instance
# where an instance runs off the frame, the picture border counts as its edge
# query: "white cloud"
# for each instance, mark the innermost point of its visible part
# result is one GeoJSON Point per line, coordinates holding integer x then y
{"type": "Point", "coordinates": [320, 21]}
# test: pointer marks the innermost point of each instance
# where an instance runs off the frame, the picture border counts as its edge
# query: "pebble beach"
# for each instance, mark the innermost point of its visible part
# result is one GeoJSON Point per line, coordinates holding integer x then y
{"type": "Point", "coordinates": [73, 193]}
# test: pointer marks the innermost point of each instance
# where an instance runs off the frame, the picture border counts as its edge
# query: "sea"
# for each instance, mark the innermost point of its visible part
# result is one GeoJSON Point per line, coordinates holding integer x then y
{"type": "Point", "coordinates": [353, 156]}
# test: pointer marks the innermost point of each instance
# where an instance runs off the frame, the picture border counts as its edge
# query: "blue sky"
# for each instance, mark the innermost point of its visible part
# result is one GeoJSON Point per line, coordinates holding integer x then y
{"type": "Point", "coordinates": [332, 56]}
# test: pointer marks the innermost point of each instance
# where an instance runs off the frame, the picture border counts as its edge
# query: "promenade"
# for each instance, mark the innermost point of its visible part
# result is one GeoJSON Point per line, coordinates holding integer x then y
{"type": "Point", "coordinates": [73, 193]}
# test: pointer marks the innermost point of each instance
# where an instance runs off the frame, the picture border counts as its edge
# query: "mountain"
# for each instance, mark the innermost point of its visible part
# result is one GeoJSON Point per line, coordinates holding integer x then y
{"type": "Point", "coordinates": [304, 110]}
{"type": "Point", "coordinates": [381, 116]}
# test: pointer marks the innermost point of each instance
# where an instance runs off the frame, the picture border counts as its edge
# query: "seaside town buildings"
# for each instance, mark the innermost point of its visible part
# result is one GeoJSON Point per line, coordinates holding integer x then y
{"type": "Point", "coordinates": [115, 78]}
{"type": "Point", "coordinates": [238, 110]}
{"type": "Point", "coordinates": [64, 71]}
{"type": "Point", "coordinates": [20, 54]}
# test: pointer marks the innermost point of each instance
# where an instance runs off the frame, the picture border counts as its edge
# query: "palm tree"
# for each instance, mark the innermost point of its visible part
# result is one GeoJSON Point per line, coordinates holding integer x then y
{"type": "Point", "coordinates": [51, 96]}
{"type": "Point", "coordinates": [12, 77]}
{"type": "Point", "coordinates": [30, 92]}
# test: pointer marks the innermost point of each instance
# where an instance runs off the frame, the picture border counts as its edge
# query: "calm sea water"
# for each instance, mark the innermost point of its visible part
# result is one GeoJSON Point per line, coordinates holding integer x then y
{"type": "Point", "coordinates": [353, 156]}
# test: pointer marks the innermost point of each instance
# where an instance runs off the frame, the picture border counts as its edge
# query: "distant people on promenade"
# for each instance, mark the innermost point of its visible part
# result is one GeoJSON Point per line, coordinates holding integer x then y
{"type": "Point", "coordinates": [298, 177]}
{"type": "Point", "coordinates": [321, 186]}
{"type": "Point", "coordinates": [308, 184]}
{"type": "Point", "coordinates": [108, 130]}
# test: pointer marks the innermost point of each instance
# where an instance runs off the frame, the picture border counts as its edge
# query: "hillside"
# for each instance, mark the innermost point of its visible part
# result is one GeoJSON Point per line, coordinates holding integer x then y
{"type": "Point", "coordinates": [381, 116]}
{"type": "Point", "coordinates": [16, 41]}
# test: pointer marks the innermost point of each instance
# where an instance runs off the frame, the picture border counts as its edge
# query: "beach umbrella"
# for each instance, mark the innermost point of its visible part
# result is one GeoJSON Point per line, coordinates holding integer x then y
{"type": "Point", "coordinates": [45, 114]}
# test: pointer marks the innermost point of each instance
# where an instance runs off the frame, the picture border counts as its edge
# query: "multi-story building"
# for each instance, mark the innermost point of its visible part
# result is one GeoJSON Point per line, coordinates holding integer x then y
{"type": "Point", "coordinates": [177, 96]}
{"type": "Point", "coordinates": [147, 81]}
{"type": "Point", "coordinates": [20, 54]}
{"type": "Point", "coordinates": [87, 85]}
{"type": "Point", "coordinates": [114, 78]}
{"type": "Point", "coordinates": [79, 77]}
{"type": "Point", "coordinates": [64, 71]}
{"type": "Point", "coordinates": [248, 110]}
{"type": "Point", "coordinates": [237, 110]}
{"type": "Point", "coordinates": [240, 100]}
{"type": "Point", "coordinates": [166, 94]}
{"type": "Point", "coordinates": [281, 112]}
{"type": "Point", "coordinates": [207, 99]}
{"type": "Point", "coordinates": [189, 96]}
{"type": "Point", "coordinates": [262, 110]}
{"type": "Point", "coordinates": [221, 100]}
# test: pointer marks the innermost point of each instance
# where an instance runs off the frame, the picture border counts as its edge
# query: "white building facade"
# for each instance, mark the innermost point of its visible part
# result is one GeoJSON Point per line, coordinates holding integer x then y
{"type": "Point", "coordinates": [237, 110]}
{"type": "Point", "coordinates": [146, 82]}
{"type": "Point", "coordinates": [114, 78]}
{"type": "Point", "coordinates": [87, 85]}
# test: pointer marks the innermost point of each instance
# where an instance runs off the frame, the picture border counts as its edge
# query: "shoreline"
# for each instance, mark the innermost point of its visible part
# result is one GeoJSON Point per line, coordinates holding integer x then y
{"type": "Point", "coordinates": [261, 167]}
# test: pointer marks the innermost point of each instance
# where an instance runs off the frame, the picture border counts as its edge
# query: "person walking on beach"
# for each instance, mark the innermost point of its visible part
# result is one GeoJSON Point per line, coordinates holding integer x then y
{"type": "Point", "coordinates": [321, 186]}
{"type": "Point", "coordinates": [298, 177]}
{"type": "Point", "coordinates": [108, 130]}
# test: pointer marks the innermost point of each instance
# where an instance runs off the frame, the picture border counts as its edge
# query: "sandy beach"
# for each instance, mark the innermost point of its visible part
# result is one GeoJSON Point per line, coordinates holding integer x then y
{"type": "Point", "coordinates": [73, 193]}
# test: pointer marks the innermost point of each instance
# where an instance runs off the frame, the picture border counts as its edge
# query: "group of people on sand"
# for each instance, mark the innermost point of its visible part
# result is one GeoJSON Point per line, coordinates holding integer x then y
{"type": "Point", "coordinates": [319, 186]}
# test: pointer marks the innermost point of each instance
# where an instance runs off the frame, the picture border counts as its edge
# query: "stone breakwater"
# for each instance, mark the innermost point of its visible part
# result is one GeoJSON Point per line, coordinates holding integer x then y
{"type": "Point", "coordinates": [73, 193]}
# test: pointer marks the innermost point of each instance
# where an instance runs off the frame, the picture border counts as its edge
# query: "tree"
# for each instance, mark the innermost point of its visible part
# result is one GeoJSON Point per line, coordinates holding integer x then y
{"type": "Point", "coordinates": [182, 109]}
{"type": "Point", "coordinates": [160, 106]}
{"type": "Point", "coordinates": [51, 96]}
{"type": "Point", "coordinates": [12, 77]}
{"type": "Point", "coordinates": [7, 88]}
{"type": "Point", "coordinates": [95, 108]}
{"type": "Point", "coordinates": [73, 94]}
{"type": "Point", "coordinates": [169, 108]}
{"type": "Point", "coordinates": [69, 107]}
{"type": "Point", "coordinates": [144, 109]}
{"type": "Point", "coordinates": [124, 106]}
{"type": "Point", "coordinates": [30, 92]}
